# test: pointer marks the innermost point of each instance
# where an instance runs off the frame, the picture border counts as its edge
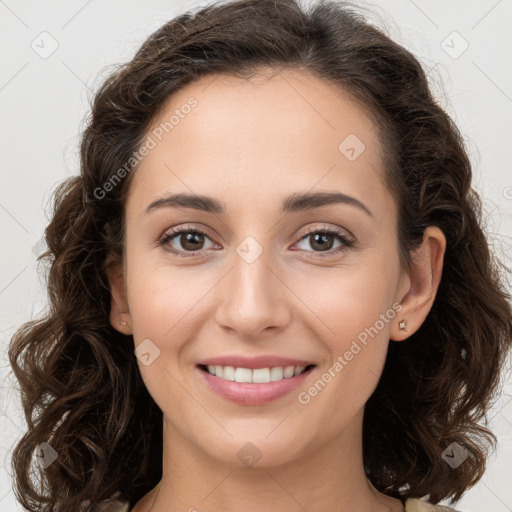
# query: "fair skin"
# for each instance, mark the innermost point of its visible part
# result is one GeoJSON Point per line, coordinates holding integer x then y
{"type": "Point", "coordinates": [249, 145]}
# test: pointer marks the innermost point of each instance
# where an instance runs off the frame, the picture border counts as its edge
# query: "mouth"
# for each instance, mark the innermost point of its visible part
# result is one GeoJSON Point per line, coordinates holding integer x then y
{"type": "Point", "coordinates": [253, 386]}
{"type": "Point", "coordinates": [255, 376]}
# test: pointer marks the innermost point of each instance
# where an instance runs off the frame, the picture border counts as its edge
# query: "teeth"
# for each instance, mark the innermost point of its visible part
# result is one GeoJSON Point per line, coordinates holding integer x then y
{"type": "Point", "coordinates": [259, 375]}
{"type": "Point", "coordinates": [288, 372]}
{"type": "Point", "coordinates": [243, 375]}
{"type": "Point", "coordinates": [276, 373]}
{"type": "Point", "coordinates": [228, 373]}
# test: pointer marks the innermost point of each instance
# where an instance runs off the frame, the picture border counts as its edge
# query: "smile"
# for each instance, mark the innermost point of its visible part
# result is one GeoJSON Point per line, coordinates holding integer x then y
{"type": "Point", "coordinates": [258, 375]}
{"type": "Point", "coordinates": [257, 386]}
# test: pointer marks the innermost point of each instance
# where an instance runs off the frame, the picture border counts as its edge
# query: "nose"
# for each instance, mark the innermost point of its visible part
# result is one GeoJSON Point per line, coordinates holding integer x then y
{"type": "Point", "coordinates": [254, 297]}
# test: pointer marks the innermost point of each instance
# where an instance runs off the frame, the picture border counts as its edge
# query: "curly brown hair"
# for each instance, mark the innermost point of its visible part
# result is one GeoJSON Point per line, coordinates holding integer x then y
{"type": "Point", "coordinates": [82, 391]}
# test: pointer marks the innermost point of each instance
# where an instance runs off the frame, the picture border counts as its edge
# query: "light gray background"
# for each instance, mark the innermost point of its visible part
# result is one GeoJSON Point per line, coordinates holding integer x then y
{"type": "Point", "coordinates": [44, 100]}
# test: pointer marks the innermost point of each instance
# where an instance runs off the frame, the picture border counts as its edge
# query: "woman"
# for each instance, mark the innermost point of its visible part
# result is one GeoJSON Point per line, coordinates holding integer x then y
{"type": "Point", "coordinates": [269, 285]}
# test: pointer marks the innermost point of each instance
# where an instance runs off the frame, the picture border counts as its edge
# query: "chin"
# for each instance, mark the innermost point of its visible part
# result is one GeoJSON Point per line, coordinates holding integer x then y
{"type": "Point", "coordinates": [259, 452]}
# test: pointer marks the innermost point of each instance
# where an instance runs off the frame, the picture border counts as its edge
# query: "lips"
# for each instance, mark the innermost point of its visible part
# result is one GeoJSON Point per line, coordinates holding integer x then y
{"type": "Point", "coordinates": [260, 391]}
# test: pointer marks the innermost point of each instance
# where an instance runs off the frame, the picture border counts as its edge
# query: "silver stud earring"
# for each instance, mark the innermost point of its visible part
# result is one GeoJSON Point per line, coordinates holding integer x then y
{"type": "Point", "coordinates": [123, 323]}
{"type": "Point", "coordinates": [403, 325]}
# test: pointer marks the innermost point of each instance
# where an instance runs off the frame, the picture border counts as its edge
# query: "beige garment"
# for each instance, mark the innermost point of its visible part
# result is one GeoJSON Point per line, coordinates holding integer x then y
{"type": "Point", "coordinates": [411, 505]}
{"type": "Point", "coordinates": [416, 505]}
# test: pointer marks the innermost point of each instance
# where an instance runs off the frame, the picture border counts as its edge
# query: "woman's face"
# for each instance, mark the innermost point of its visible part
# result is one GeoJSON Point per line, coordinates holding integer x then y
{"type": "Point", "coordinates": [273, 276]}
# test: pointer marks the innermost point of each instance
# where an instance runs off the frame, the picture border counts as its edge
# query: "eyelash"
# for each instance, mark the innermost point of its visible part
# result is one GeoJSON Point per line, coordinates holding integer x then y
{"type": "Point", "coordinates": [340, 234]}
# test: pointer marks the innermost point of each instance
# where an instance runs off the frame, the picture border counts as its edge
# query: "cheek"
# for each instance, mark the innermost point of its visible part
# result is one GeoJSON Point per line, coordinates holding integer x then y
{"type": "Point", "coordinates": [163, 299]}
{"type": "Point", "coordinates": [350, 300]}
{"type": "Point", "coordinates": [162, 303]}
{"type": "Point", "coordinates": [354, 310]}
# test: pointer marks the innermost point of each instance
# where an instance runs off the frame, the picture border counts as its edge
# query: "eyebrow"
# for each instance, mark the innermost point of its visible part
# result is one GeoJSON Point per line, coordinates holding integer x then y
{"type": "Point", "coordinates": [294, 203]}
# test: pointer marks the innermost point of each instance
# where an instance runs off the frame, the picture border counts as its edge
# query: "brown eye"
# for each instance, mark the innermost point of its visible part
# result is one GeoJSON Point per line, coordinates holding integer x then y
{"type": "Point", "coordinates": [323, 240]}
{"type": "Point", "coordinates": [192, 241]}
{"type": "Point", "coordinates": [185, 242]}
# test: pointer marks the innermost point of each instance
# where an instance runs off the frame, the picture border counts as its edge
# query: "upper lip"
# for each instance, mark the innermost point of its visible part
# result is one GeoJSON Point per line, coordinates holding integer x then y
{"type": "Point", "coordinates": [263, 361]}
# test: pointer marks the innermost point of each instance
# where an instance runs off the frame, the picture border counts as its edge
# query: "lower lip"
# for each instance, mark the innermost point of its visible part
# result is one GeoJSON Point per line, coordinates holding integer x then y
{"type": "Point", "coordinates": [249, 393]}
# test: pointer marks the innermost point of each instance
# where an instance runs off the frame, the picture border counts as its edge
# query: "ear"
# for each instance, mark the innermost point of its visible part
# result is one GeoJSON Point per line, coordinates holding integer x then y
{"type": "Point", "coordinates": [421, 284]}
{"type": "Point", "coordinates": [120, 318]}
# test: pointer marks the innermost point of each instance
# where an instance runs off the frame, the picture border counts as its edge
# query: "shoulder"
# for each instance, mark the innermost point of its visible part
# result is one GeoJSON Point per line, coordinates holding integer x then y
{"type": "Point", "coordinates": [418, 505]}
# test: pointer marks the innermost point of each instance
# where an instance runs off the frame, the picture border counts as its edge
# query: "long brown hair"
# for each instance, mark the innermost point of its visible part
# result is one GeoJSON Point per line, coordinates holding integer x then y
{"type": "Point", "coordinates": [82, 392]}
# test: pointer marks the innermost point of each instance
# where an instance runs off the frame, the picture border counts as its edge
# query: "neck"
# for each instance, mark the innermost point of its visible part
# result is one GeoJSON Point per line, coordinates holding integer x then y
{"type": "Point", "coordinates": [328, 477]}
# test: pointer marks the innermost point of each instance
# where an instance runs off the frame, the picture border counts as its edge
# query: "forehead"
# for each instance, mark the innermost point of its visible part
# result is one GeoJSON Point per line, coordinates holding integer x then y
{"type": "Point", "coordinates": [255, 138]}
